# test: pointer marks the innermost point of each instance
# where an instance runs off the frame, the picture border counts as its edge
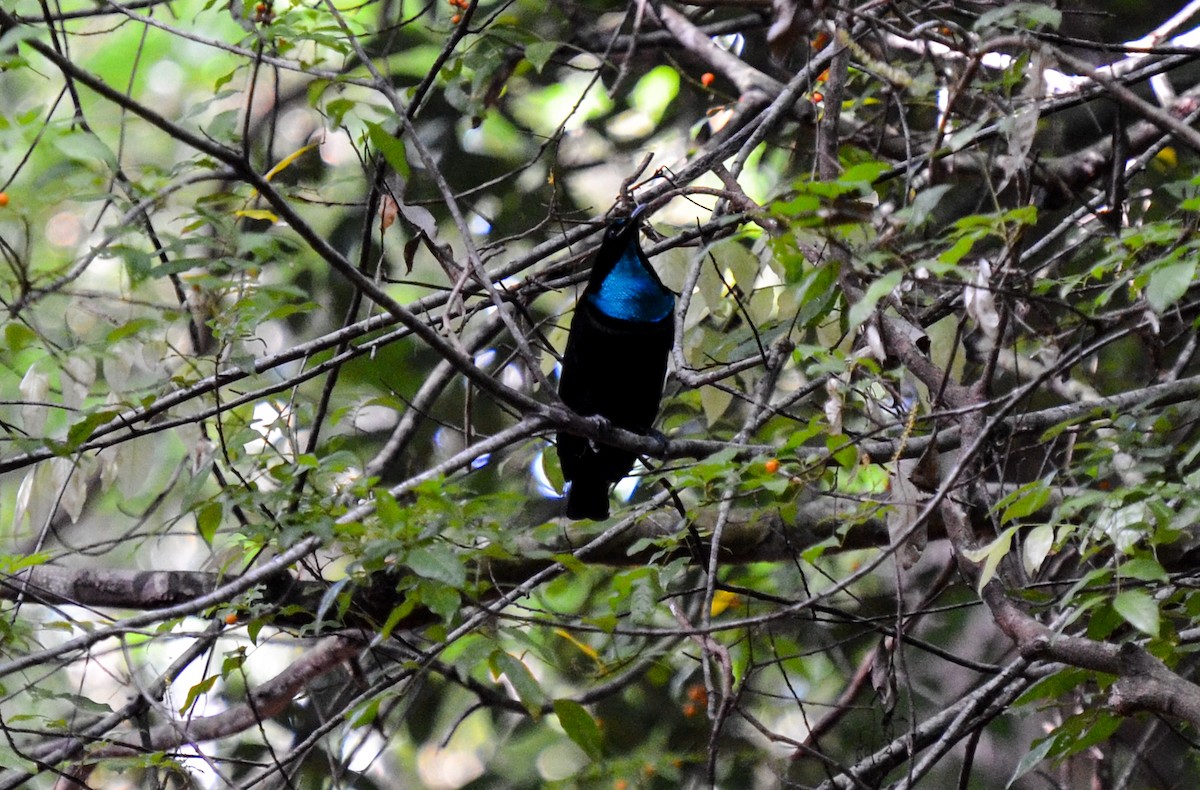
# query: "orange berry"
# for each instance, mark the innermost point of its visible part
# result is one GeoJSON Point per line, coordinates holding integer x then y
{"type": "Point", "coordinates": [3, 199]}
{"type": "Point", "coordinates": [697, 693]}
{"type": "Point", "coordinates": [772, 465]}
{"type": "Point", "coordinates": [818, 97]}
{"type": "Point", "coordinates": [454, 20]}
{"type": "Point", "coordinates": [707, 78]}
{"type": "Point", "coordinates": [823, 76]}
{"type": "Point", "coordinates": [231, 619]}
{"type": "Point", "coordinates": [690, 709]}
{"type": "Point", "coordinates": [820, 40]}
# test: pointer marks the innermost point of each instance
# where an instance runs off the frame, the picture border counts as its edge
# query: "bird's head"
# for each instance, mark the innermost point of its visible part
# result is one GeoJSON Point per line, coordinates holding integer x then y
{"type": "Point", "coordinates": [621, 229]}
{"type": "Point", "coordinates": [622, 283]}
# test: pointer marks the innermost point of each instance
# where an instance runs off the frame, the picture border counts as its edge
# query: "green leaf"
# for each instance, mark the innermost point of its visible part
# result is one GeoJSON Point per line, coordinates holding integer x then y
{"type": "Point", "coordinates": [1104, 619]}
{"type": "Point", "coordinates": [655, 91]}
{"type": "Point", "coordinates": [81, 431]}
{"type": "Point", "coordinates": [366, 714]}
{"type": "Point", "coordinates": [144, 266]}
{"type": "Point", "coordinates": [1095, 726]}
{"type": "Point", "coordinates": [814, 552]}
{"type": "Point", "coordinates": [233, 662]}
{"type": "Point", "coordinates": [388, 510]}
{"type": "Point", "coordinates": [1169, 283]}
{"type": "Point", "coordinates": [1139, 610]}
{"type": "Point", "coordinates": [335, 595]}
{"type": "Point", "coordinates": [208, 519]}
{"type": "Point", "coordinates": [1055, 685]}
{"type": "Point", "coordinates": [437, 562]}
{"type": "Point", "coordinates": [87, 149]}
{"type": "Point", "coordinates": [579, 726]}
{"type": "Point", "coordinates": [539, 53]}
{"type": "Point", "coordinates": [1044, 16]}
{"type": "Point", "coordinates": [1022, 215]}
{"type": "Point", "coordinates": [81, 703]}
{"type": "Point", "coordinates": [863, 173]}
{"type": "Point", "coordinates": [203, 687]}
{"type": "Point", "coordinates": [843, 451]}
{"type": "Point", "coordinates": [391, 147]}
{"type": "Point", "coordinates": [17, 336]}
{"type": "Point", "coordinates": [1144, 569]}
{"type": "Point", "coordinates": [336, 110]}
{"type": "Point", "coordinates": [9, 759]}
{"type": "Point", "coordinates": [523, 682]}
{"type": "Point", "coordinates": [606, 623]}
{"type": "Point", "coordinates": [442, 599]}
{"type": "Point", "coordinates": [130, 328]}
{"type": "Point", "coordinates": [1031, 759]}
{"type": "Point", "coordinates": [861, 310]}
{"type": "Point", "coordinates": [962, 245]}
{"type": "Point", "coordinates": [1020, 16]}
{"type": "Point", "coordinates": [398, 614]}
{"type": "Point", "coordinates": [223, 80]}
{"type": "Point", "coordinates": [923, 206]}
{"type": "Point", "coordinates": [990, 555]}
{"type": "Point", "coordinates": [1025, 501]}
{"type": "Point", "coordinates": [11, 563]}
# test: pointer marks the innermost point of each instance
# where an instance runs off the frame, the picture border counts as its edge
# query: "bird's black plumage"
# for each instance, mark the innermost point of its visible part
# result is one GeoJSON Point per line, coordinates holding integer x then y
{"type": "Point", "coordinates": [615, 363]}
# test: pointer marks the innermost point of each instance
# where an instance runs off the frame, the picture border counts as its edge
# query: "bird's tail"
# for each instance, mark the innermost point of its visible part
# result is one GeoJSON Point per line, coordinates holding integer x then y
{"type": "Point", "coordinates": [588, 498]}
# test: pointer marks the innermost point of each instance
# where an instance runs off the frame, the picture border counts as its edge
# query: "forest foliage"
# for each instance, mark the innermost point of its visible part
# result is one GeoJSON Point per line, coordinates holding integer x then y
{"type": "Point", "coordinates": [286, 287]}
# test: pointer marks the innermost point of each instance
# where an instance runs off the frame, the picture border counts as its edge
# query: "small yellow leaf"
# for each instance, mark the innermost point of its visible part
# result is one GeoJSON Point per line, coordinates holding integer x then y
{"type": "Point", "coordinates": [722, 600]}
{"type": "Point", "coordinates": [287, 161]}
{"type": "Point", "coordinates": [586, 649]}
{"type": "Point", "coordinates": [256, 213]}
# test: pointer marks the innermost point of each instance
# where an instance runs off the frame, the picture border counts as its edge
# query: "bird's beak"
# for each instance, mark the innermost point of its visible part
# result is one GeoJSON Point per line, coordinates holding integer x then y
{"type": "Point", "coordinates": [638, 211]}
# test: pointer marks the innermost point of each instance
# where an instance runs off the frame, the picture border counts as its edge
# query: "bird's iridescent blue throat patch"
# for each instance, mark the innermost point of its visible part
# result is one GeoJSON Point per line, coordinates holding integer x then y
{"type": "Point", "coordinates": [630, 293]}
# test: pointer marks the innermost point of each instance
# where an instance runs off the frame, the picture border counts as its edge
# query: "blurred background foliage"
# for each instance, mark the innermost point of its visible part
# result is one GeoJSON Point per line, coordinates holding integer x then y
{"type": "Point", "coordinates": [194, 380]}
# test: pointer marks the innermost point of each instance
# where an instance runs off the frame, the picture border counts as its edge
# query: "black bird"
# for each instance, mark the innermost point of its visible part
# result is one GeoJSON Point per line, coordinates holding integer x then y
{"type": "Point", "coordinates": [615, 362]}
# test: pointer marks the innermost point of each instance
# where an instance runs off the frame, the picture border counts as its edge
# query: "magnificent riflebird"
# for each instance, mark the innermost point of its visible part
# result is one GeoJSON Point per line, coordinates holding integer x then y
{"type": "Point", "coordinates": [615, 363]}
